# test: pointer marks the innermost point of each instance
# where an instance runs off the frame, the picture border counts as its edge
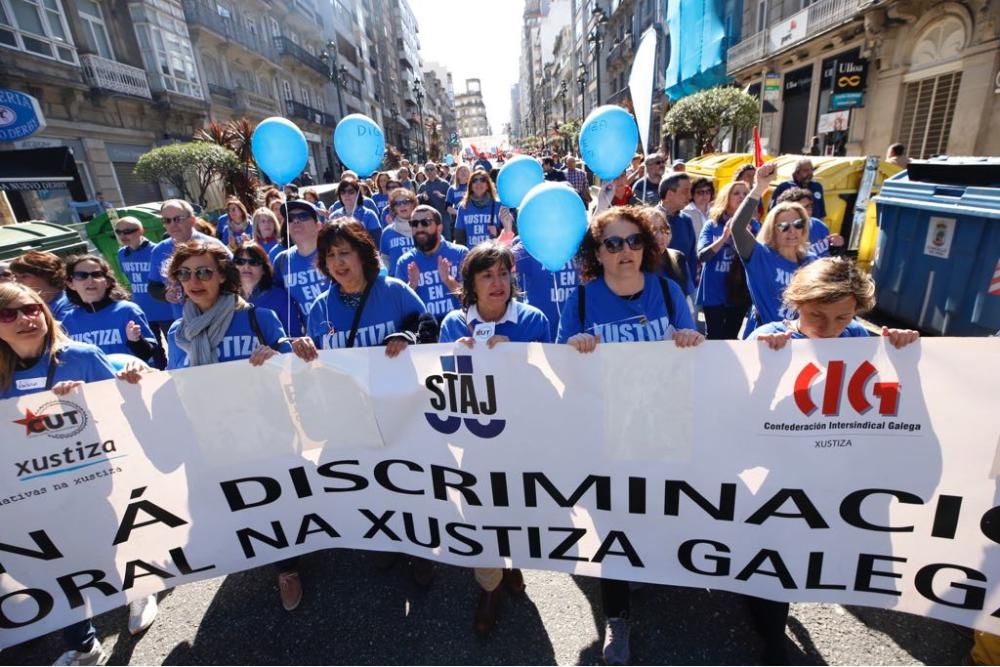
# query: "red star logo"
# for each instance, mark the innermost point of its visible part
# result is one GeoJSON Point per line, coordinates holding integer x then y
{"type": "Point", "coordinates": [30, 421]}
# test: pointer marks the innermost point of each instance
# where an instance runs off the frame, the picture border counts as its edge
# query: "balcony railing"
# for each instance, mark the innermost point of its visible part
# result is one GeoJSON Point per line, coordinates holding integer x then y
{"type": "Point", "coordinates": [820, 17]}
{"type": "Point", "coordinates": [201, 15]}
{"type": "Point", "coordinates": [254, 103]}
{"type": "Point", "coordinates": [221, 91]}
{"type": "Point", "coordinates": [114, 76]}
{"type": "Point", "coordinates": [299, 110]}
{"type": "Point", "coordinates": [287, 47]}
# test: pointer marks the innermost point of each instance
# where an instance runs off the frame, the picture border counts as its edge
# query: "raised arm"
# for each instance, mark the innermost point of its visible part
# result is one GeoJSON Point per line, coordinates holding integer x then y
{"type": "Point", "coordinates": [739, 224]}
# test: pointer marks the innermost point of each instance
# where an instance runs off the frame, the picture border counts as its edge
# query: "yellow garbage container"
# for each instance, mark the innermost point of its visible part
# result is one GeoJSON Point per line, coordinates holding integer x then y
{"type": "Point", "coordinates": [720, 167]}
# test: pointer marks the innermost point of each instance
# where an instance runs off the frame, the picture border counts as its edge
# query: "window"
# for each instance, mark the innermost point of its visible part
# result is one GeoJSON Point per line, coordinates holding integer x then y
{"type": "Point", "coordinates": [275, 28]}
{"type": "Point", "coordinates": [95, 32]}
{"type": "Point", "coordinates": [213, 70]}
{"type": "Point", "coordinates": [928, 108]}
{"type": "Point", "coordinates": [304, 93]}
{"type": "Point", "coordinates": [166, 46]}
{"type": "Point", "coordinates": [36, 26]}
{"type": "Point", "coordinates": [761, 15]}
{"type": "Point", "coordinates": [287, 87]}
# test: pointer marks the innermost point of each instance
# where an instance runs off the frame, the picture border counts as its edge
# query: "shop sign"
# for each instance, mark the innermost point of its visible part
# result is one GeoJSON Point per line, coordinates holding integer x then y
{"type": "Point", "coordinates": [833, 122]}
{"type": "Point", "coordinates": [789, 31]}
{"type": "Point", "coordinates": [772, 87]}
{"type": "Point", "coordinates": [846, 100]}
{"type": "Point", "coordinates": [20, 115]}
{"type": "Point", "coordinates": [850, 76]}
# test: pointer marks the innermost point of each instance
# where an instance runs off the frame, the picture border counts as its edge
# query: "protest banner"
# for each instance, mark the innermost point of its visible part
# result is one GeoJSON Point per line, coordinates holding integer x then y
{"type": "Point", "coordinates": [835, 471]}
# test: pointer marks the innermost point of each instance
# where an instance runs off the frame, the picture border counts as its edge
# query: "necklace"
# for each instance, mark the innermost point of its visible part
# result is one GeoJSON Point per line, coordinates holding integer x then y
{"type": "Point", "coordinates": [351, 300]}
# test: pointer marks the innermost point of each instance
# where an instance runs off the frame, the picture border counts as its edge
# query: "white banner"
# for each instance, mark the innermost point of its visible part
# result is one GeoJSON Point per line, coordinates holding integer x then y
{"type": "Point", "coordinates": [640, 84]}
{"type": "Point", "coordinates": [838, 471]}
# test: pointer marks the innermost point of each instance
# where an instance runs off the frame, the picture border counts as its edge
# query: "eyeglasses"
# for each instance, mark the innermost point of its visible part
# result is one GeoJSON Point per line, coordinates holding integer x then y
{"type": "Point", "coordinates": [83, 275]}
{"type": "Point", "coordinates": [785, 226]}
{"type": "Point", "coordinates": [126, 232]}
{"type": "Point", "coordinates": [202, 273]}
{"type": "Point", "coordinates": [8, 315]}
{"type": "Point", "coordinates": [401, 202]}
{"type": "Point", "coordinates": [421, 222]}
{"type": "Point", "coordinates": [247, 261]}
{"type": "Point", "coordinates": [175, 220]}
{"type": "Point", "coordinates": [300, 217]}
{"type": "Point", "coordinates": [349, 191]}
{"type": "Point", "coordinates": [479, 179]}
{"type": "Point", "coordinates": [615, 244]}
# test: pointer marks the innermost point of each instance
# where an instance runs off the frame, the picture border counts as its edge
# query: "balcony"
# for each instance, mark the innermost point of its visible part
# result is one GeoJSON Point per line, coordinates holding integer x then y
{"type": "Point", "coordinates": [818, 17]}
{"type": "Point", "coordinates": [199, 15]}
{"type": "Point", "coordinates": [299, 110]}
{"type": "Point", "coordinates": [115, 77]}
{"type": "Point", "coordinates": [624, 49]}
{"type": "Point", "coordinates": [220, 91]}
{"type": "Point", "coordinates": [250, 102]}
{"type": "Point", "coordinates": [287, 47]}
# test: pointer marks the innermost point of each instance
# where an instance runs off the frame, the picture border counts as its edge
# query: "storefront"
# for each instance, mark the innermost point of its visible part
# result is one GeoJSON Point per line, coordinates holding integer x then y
{"type": "Point", "coordinates": [42, 183]}
{"type": "Point", "coordinates": [795, 109]}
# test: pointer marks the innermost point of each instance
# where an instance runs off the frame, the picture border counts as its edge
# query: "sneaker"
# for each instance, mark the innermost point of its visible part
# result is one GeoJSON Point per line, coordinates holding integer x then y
{"type": "Point", "coordinates": [290, 590]}
{"type": "Point", "coordinates": [95, 656]}
{"type": "Point", "coordinates": [616, 647]}
{"type": "Point", "coordinates": [141, 614]}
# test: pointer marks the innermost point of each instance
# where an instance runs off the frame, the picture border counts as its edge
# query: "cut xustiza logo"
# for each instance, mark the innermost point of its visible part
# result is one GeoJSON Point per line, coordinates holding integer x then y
{"type": "Point", "coordinates": [56, 419]}
{"type": "Point", "coordinates": [887, 393]}
{"type": "Point", "coordinates": [456, 392]}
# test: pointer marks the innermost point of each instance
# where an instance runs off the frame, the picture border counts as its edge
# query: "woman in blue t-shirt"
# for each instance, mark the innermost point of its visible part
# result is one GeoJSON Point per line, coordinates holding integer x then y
{"type": "Point", "coordinates": [36, 356]}
{"type": "Point", "coordinates": [103, 315]}
{"type": "Point", "coordinates": [781, 247]}
{"type": "Point", "coordinates": [827, 295]}
{"type": "Point", "coordinates": [480, 213]}
{"type": "Point", "coordinates": [456, 192]}
{"type": "Point", "coordinates": [350, 206]}
{"type": "Point", "coordinates": [623, 300]}
{"type": "Point", "coordinates": [258, 288]}
{"type": "Point", "coordinates": [266, 230]}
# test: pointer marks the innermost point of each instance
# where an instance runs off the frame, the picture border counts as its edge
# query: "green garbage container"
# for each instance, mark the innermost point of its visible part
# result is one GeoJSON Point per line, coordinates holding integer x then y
{"type": "Point", "coordinates": [21, 237]}
{"type": "Point", "coordinates": [101, 231]}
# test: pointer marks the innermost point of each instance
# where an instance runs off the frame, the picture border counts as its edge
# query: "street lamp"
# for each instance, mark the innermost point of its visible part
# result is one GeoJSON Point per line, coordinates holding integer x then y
{"type": "Point", "coordinates": [394, 110]}
{"type": "Point", "coordinates": [596, 38]}
{"type": "Point", "coordinates": [563, 88]}
{"type": "Point", "coordinates": [338, 75]}
{"type": "Point", "coordinates": [581, 82]}
{"type": "Point", "coordinates": [419, 94]}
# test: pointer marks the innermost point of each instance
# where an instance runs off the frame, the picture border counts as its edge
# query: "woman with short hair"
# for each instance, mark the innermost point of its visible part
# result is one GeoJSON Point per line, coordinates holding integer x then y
{"type": "Point", "coordinates": [349, 205]}
{"type": "Point", "coordinates": [45, 273]}
{"type": "Point", "coordinates": [257, 286]}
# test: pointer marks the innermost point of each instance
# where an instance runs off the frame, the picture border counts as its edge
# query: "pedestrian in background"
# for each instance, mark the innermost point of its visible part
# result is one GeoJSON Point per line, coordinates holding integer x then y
{"type": "Point", "coordinates": [646, 189]}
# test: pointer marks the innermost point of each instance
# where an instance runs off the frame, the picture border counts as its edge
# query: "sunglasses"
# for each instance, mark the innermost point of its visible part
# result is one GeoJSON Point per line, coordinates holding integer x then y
{"type": "Point", "coordinates": [421, 222]}
{"type": "Point", "coordinates": [785, 226]}
{"type": "Point", "coordinates": [175, 220]}
{"type": "Point", "coordinates": [202, 273]}
{"type": "Point", "coordinates": [126, 232]}
{"type": "Point", "coordinates": [615, 244]}
{"type": "Point", "coordinates": [401, 202]}
{"type": "Point", "coordinates": [479, 180]}
{"type": "Point", "coordinates": [300, 217]}
{"type": "Point", "coordinates": [247, 261]}
{"type": "Point", "coordinates": [8, 315]}
{"type": "Point", "coordinates": [83, 275]}
{"type": "Point", "coordinates": [349, 191]}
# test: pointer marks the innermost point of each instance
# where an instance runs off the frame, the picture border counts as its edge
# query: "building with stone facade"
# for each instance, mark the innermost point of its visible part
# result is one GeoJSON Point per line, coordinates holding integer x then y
{"type": "Point", "coordinates": [861, 75]}
{"type": "Point", "coordinates": [472, 119]}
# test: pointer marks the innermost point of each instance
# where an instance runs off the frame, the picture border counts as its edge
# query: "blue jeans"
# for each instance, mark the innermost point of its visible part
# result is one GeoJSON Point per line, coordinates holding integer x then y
{"type": "Point", "coordinates": [80, 636]}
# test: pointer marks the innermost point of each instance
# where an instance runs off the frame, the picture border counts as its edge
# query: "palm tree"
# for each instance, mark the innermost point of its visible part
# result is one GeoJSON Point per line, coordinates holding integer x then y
{"type": "Point", "coordinates": [244, 181]}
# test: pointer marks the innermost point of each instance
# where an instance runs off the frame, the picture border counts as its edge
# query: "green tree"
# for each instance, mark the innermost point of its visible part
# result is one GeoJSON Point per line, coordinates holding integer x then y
{"type": "Point", "coordinates": [569, 132]}
{"type": "Point", "coordinates": [199, 162]}
{"type": "Point", "coordinates": [705, 115]}
{"type": "Point", "coordinates": [243, 181]}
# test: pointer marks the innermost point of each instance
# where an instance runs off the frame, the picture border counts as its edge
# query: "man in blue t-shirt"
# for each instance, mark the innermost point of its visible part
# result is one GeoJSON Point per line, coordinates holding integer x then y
{"type": "Point", "coordinates": [544, 289]}
{"type": "Point", "coordinates": [434, 191]}
{"type": "Point", "coordinates": [432, 267]}
{"type": "Point", "coordinates": [802, 178]}
{"type": "Point", "coordinates": [675, 194]}
{"type": "Point", "coordinates": [295, 268]}
{"type": "Point", "coordinates": [178, 223]}
{"type": "Point", "coordinates": [134, 257]}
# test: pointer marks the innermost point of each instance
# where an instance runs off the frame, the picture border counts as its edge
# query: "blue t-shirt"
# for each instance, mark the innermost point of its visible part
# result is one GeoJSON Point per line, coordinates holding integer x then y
{"type": "Point", "coordinates": [160, 259]}
{"type": "Point", "coordinates": [455, 194]}
{"type": "Point", "coordinates": [430, 289]}
{"type": "Point", "coordinates": [619, 320]}
{"type": "Point", "coordinates": [105, 328]}
{"type": "Point", "coordinates": [853, 330]}
{"type": "Point", "coordinates": [531, 325]}
{"type": "Point", "coordinates": [819, 205]}
{"type": "Point", "coordinates": [77, 362]}
{"type": "Point", "coordinates": [223, 230]}
{"type": "Point", "coordinates": [366, 202]}
{"type": "Point", "coordinates": [381, 200]}
{"type": "Point", "coordinates": [60, 306]}
{"type": "Point", "coordinates": [712, 287]}
{"type": "Point", "coordinates": [298, 274]}
{"type": "Point", "coordinates": [269, 247]}
{"type": "Point", "coordinates": [390, 303]}
{"type": "Point", "coordinates": [276, 299]}
{"type": "Point", "coordinates": [682, 238]}
{"type": "Point", "coordinates": [135, 265]}
{"type": "Point", "coordinates": [819, 244]}
{"type": "Point", "coordinates": [367, 218]}
{"type": "Point", "coordinates": [768, 274]}
{"type": "Point", "coordinates": [240, 340]}
{"type": "Point", "coordinates": [474, 221]}
{"type": "Point", "coordinates": [394, 244]}
{"type": "Point", "coordinates": [544, 289]}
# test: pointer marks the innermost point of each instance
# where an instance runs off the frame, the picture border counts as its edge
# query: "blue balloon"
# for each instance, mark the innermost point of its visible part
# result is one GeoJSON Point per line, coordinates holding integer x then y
{"type": "Point", "coordinates": [519, 175]}
{"type": "Point", "coordinates": [551, 222]}
{"type": "Point", "coordinates": [359, 143]}
{"type": "Point", "coordinates": [449, 159]}
{"type": "Point", "coordinates": [280, 149]}
{"type": "Point", "coordinates": [119, 360]}
{"type": "Point", "coordinates": [608, 140]}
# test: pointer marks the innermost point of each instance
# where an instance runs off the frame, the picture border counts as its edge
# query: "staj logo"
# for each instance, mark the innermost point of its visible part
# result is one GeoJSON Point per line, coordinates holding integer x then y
{"type": "Point", "coordinates": [456, 392]}
{"type": "Point", "coordinates": [887, 393]}
{"type": "Point", "coordinates": [56, 419]}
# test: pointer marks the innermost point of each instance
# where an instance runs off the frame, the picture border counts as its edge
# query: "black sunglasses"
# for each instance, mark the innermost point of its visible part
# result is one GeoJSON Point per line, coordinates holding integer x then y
{"type": "Point", "coordinates": [126, 232]}
{"type": "Point", "coordinates": [480, 179]}
{"type": "Point", "coordinates": [247, 261]}
{"type": "Point", "coordinates": [83, 275]}
{"type": "Point", "coordinates": [421, 222]}
{"type": "Point", "coordinates": [401, 202]}
{"type": "Point", "coordinates": [615, 244]}
{"type": "Point", "coordinates": [798, 224]}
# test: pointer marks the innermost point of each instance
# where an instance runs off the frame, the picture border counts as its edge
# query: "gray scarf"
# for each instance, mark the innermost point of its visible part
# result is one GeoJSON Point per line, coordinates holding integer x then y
{"type": "Point", "coordinates": [200, 333]}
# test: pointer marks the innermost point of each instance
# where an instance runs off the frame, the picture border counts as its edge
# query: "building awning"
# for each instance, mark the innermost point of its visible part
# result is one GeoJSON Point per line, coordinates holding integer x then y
{"type": "Point", "coordinates": [697, 47]}
{"type": "Point", "coordinates": [40, 169]}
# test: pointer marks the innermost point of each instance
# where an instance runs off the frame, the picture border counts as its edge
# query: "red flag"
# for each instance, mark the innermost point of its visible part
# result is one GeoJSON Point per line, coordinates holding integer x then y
{"type": "Point", "coordinates": [758, 152]}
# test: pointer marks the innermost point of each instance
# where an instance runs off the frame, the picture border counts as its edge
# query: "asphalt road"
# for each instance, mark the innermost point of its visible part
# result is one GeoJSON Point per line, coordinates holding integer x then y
{"type": "Point", "coordinates": [353, 613]}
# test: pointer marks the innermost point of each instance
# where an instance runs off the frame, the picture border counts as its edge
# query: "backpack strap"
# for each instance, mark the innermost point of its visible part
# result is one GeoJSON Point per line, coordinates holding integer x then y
{"type": "Point", "coordinates": [255, 326]}
{"type": "Point", "coordinates": [581, 305]}
{"type": "Point", "coordinates": [669, 302]}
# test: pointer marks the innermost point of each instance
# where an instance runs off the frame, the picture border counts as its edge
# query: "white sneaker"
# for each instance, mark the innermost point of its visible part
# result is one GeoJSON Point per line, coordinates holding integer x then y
{"type": "Point", "coordinates": [95, 656]}
{"type": "Point", "coordinates": [141, 614]}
